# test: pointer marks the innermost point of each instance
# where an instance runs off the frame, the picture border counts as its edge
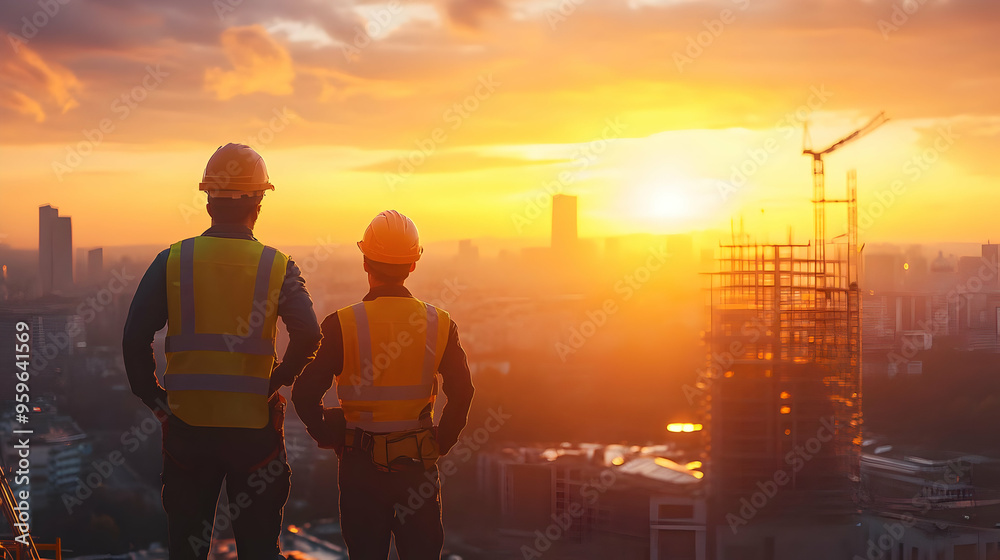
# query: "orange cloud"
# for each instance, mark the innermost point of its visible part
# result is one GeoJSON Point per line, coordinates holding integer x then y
{"type": "Point", "coordinates": [22, 104]}
{"type": "Point", "coordinates": [260, 64]}
{"type": "Point", "coordinates": [30, 80]}
{"type": "Point", "coordinates": [472, 13]}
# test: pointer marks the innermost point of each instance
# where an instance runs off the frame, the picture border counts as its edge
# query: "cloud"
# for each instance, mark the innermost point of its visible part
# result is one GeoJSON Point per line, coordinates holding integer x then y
{"type": "Point", "coordinates": [472, 13]}
{"type": "Point", "coordinates": [260, 64]}
{"type": "Point", "coordinates": [29, 80]}
{"type": "Point", "coordinates": [21, 103]}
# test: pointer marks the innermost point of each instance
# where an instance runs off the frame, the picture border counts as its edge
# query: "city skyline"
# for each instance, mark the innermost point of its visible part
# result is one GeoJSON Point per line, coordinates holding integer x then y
{"type": "Point", "coordinates": [437, 115]}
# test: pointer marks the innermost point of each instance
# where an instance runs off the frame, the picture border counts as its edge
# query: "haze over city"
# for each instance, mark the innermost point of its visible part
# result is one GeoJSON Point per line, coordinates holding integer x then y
{"type": "Point", "coordinates": [725, 273]}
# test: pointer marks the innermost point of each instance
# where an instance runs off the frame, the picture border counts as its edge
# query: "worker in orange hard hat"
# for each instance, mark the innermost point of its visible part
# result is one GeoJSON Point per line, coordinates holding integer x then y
{"type": "Point", "coordinates": [220, 295]}
{"type": "Point", "coordinates": [385, 353]}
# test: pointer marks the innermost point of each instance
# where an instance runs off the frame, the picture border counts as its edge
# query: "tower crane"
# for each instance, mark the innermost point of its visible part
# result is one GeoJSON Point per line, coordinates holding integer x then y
{"type": "Point", "coordinates": [819, 187]}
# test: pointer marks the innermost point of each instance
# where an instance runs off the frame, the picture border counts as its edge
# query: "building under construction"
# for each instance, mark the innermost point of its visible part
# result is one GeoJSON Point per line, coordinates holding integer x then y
{"type": "Point", "coordinates": [783, 395]}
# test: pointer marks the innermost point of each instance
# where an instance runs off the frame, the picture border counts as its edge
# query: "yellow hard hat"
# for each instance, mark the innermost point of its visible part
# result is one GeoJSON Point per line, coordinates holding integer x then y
{"type": "Point", "coordinates": [391, 238]}
{"type": "Point", "coordinates": [234, 171]}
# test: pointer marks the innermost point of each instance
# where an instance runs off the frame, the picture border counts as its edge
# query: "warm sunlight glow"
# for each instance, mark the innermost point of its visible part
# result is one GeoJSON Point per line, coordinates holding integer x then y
{"type": "Point", "coordinates": [663, 200]}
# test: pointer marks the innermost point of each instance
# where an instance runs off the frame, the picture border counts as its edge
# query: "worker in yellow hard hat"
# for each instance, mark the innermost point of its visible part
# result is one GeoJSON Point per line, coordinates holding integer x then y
{"type": "Point", "coordinates": [385, 353]}
{"type": "Point", "coordinates": [220, 295]}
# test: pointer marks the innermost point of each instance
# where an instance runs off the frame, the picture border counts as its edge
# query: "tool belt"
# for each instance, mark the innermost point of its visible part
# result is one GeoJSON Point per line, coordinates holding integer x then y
{"type": "Point", "coordinates": [396, 451]}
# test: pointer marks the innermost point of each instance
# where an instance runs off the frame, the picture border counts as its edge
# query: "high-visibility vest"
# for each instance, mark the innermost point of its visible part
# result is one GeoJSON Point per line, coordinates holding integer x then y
{"type": "Point", "coordinates": [222, 303]}
{"type": "Point", "coordinates": [392, 349]}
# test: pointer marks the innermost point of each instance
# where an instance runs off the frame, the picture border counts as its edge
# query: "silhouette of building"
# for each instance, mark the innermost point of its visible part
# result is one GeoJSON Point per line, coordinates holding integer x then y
{"type": "Point", "coordinates": [467, 252]}
{"type": "Point", "coordinates": [954, 298]}
{"type": "Point", "coordinates": [55, 251]}
{"type": "Point", "coordinates": [564, 231]}
{"type": "Point", "coordinates": [95, 266]}
{"type": "Point", "coordinates": [80, 265]}
{"type": "Point", "coordinates": [641, 503]}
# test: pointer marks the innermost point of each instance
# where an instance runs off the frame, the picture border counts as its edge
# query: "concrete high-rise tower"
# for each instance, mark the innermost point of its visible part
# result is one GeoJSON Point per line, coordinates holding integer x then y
{"type": "Point", "coordinates": [95, 265]}
{"type": "Point", "coordinates": [55, 250]}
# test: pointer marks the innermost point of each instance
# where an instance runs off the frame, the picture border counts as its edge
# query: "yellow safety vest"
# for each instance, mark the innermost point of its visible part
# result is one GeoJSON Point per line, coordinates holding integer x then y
{"type": "Point", "coordinates": [222, 302]}
{"type": "Point", "coordinates": [392, 349]}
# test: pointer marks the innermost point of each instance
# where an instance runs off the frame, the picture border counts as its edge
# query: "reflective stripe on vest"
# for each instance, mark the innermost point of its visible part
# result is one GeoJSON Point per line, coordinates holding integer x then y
{"type": "Point", "coordinates": [387, 382]}
{"type": "Point", "coordinates": [222, 314]}
{"type": "Point", "coordinates": [214, 382]}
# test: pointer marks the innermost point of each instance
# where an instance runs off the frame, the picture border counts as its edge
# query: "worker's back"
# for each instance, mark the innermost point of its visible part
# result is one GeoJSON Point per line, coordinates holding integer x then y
{"type": "Point", "coordinates": [392, 349]}
{"type": "Point", "coordinates": [222, 321]}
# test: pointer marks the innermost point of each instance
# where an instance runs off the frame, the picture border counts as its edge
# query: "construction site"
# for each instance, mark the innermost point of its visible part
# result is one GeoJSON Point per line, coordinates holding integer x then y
{"type": "Point", "coordinates": [783, 402]}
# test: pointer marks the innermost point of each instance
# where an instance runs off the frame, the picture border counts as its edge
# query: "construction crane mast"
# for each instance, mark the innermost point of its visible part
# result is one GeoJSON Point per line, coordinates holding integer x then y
{"type": "Point", "coordinates": [819, 188]}
{"type": "Point", "coordinates": [837, 313]}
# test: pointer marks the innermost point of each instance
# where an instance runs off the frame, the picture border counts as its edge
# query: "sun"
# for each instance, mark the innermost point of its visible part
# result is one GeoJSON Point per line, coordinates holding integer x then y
{"type": "Point", "coordinates": [666, 202]}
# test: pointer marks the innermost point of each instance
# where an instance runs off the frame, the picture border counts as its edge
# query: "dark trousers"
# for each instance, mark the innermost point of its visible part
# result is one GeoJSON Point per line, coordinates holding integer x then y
{"type": "Point", "coordinates": [196, 461]}
{"type": "Point", "coordinates": [375, 505]}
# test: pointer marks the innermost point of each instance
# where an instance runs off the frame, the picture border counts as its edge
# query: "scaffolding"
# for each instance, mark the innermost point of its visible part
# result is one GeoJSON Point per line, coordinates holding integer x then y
{"type": "Point", "coordinates": [784, 378]}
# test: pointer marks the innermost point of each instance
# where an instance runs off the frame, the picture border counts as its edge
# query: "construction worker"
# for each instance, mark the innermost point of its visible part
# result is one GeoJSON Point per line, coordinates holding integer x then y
{"type": "Point", "coordinates": [220, 295]}
{"type": "Point", "coordinates": [384, 353]}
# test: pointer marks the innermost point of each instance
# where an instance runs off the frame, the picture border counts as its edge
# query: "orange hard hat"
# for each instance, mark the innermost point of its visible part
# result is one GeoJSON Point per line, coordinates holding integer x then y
{"type": "Point", "coordinates": [391, 238]}
{"type": "Point", "coordinates": [234, 171]}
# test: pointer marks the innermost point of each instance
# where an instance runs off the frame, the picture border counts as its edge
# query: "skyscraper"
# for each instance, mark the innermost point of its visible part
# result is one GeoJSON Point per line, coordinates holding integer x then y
{"type": "Point", "coordinates": [564, 235]}
{"type": "Point", "coordinates": [55, 250]}
{"type": "Point", "coordinates": [95, 266]}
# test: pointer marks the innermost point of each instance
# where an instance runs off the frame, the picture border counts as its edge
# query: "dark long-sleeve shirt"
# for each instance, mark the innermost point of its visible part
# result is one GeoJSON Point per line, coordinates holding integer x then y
{"type": "Point", "coordinates": [316, 380]}
{"type": "Point", "coordinates": [148, 314]}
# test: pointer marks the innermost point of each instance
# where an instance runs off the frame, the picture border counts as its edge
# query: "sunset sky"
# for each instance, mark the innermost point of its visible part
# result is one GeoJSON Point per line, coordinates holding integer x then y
{"type": "Point", "coordinates": [643, 108]}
